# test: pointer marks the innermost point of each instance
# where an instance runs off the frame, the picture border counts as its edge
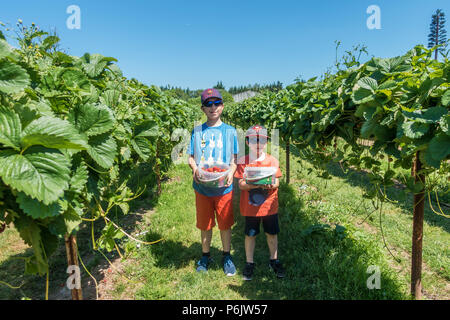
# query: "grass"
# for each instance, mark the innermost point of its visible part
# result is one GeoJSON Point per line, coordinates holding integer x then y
{"type": "Point", "coordinates": [320, 265]}
{"type": "Point", "coordinates": [324, 244]}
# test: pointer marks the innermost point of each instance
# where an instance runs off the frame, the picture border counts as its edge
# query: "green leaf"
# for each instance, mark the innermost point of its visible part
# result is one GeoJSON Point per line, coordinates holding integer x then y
{"type": "Point", "coordinates": [141, 146]}
{"type": "Point", "coordinates": [440, 147]}
{"type": "Point", "coordinates": [434, 114]}
{"type": "Point", "coordinates": [36, 209]}
{"type": "Point", "coordinates": [365, 111]}
{"type": "Point", "coordinates": [444, 123]}
{"type": "Point", "coordinates": [415, 130]}
{"type": "Point", "coordinates": [92, 119]}
{"type": "Point", "coordinates": [75, 78]}
{"type": "Point", "coordinates": [30, 232]}
{"type": "Point", "coordinates": [94, 64]}
{"type": "Point", "coordinates": [147, 129]}
{"type": "Point", "coordinates": [10, 128]}
{"type": "Point", "coordinates": [79, 179]}
{"type": "Point", "coordinates": [40, 173]}
{"type": "Point", "coordinates": [52, 132]}
{"type": "Point", "coordinates": [50, 241]}
{"type": "Point", "coordinates": [110, 98]}
{"type": "Point", "coordinates": [426, 156]}
{"type": "Point", "coordinates": [446, 99]}
{"type": "Point", "coordinates": [42, 107]}
{"type": "Point", "coordinates": [368, 83]}
{"type": "Point", "coordinates": [5, 49]}
{"type": "Point", "coordinates": [72, 219]}
{"type": "Point", "coordinates": [362, 95]}
{"type": "Point", "coordinates": [13, 78]}
{"type": "Point", "coordinates": [103, 149]}
{"type": "Point", "coordinates": [49, 42]}
{"type": "Point", "coordinates": [388, 85]}
{"type": "Point", "coordinates": [368, 128]}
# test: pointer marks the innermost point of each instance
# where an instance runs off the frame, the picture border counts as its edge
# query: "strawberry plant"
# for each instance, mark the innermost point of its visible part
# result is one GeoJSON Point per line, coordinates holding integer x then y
{"type": "Point", "coordinates": [74, 138]}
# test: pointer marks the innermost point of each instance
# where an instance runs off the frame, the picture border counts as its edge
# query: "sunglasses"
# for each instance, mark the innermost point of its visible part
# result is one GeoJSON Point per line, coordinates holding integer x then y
{"type": "Point", "coordinates": [254, 140]}
{"type": "Point", "coordinates": [209, 104]}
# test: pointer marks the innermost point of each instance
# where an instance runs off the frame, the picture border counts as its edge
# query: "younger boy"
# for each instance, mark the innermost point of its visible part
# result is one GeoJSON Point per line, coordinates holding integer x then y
{"type": "Point", "coordinates": [259, 203]}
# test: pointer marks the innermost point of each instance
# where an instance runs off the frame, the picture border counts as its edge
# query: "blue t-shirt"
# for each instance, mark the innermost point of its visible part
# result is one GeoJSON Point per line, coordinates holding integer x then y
{"type": "Point", "coordinates": [215, 144]}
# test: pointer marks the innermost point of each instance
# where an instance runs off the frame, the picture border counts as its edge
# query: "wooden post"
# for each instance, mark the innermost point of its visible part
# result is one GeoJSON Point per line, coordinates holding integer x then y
{"type": "Point", "coordinates": [72, 260]}
{"type": "Point", "coordinates": [158, 171]}
{"type": "Point", "coordinates": [288, 178]}
{"type": "Point", "coordinates": [417, 235]}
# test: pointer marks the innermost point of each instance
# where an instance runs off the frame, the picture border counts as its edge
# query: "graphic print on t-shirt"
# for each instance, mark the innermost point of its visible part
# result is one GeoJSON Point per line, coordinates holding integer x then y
{"type": "Point", "coordinates": [213, 145]}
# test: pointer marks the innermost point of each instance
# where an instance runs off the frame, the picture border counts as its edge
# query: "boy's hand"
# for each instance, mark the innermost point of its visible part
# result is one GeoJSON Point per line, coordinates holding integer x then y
{"type": "Point", "coordinates": [272, 186]}
{"type": "Point", "coordinates": [230, 178]}
{"type": "Point", "coordinates": [195, 175]}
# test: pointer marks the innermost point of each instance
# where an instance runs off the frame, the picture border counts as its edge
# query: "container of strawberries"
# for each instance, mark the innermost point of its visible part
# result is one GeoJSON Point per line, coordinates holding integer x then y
{"type": "Point", "coordinates": [214, 175]}
{"type": "Point", "coordinates": [260, 175]}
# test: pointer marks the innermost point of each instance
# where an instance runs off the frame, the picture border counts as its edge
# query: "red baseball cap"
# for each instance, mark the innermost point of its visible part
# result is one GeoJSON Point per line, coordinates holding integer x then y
{"type": "Point", "coordinates": [256, 131]}
{"type": "Point", "coordinates": [211, 93]}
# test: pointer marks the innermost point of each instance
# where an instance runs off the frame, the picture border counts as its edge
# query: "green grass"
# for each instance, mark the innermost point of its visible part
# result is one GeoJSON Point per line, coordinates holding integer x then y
{"type": "Point", "coordinates": [319, 265]}
{"type": "Point", "coordinates": [323, 260]}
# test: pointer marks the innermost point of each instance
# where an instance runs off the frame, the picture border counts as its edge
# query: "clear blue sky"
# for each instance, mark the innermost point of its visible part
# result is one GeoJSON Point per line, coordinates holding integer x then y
{"type": "Point", "coordinates": [197, 43]}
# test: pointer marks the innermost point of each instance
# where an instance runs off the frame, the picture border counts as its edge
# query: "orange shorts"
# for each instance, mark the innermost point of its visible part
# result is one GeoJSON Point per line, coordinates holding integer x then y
{"type": "Point", "coordinates": [221, 205]}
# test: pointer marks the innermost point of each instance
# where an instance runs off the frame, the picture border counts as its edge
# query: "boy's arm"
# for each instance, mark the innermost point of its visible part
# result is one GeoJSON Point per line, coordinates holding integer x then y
{"type": "Point", "coordinates": [245, 187]}
{"type": "Point", "coordinates": [233, 167]}
{"type": "Point", "coordinates": [194, 168]}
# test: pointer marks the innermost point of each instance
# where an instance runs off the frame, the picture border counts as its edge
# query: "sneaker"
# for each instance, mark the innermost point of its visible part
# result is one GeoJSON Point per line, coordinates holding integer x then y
{"type": "Point", "coordinates": [203, 263]}
{"type": "Point", "coordinates": [228, 266]}
{"type": "Point", "coordinates": [277, 268]}
{"type": "Point", "coordinates": [248, 271]}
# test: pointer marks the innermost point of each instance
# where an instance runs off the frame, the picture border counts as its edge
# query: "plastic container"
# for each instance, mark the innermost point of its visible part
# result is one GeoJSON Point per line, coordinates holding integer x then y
{"type": "Point", "coordinates": [260, 175]}
{"type": "Point", "coordinates": [213, 179]}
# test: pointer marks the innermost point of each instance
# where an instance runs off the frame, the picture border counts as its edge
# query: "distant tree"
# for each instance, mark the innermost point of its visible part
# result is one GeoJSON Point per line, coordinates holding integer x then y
{"type": "Point", "coordinates": [219, 85]}
{"type": "Point", "coordinates": [438, 34]}
{"type": "Point", "coordinates": [276, 86]}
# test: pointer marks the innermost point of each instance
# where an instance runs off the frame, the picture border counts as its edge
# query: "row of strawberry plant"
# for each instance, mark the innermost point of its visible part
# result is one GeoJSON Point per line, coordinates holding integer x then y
{"type": "Point", "coordinates": [75, 135]}
{"type": "Point", "coordinates": [401, 103]}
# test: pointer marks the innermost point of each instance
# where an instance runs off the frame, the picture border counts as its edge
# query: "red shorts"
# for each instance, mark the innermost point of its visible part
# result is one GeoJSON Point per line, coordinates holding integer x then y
{"type": "Point", "coordinates": [221, 205]}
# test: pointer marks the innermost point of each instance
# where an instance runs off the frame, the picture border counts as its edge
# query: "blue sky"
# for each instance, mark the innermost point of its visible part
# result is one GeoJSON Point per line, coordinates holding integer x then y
{"type": "Point", "coordinates": [197, 43]}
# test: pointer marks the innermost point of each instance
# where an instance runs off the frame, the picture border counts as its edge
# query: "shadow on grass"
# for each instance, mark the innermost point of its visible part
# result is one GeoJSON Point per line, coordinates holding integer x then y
{"type": "Point", "coordinates": [320, 262]}
{"type": "Point", "coordinates": [12, 269]}
{"type": "Point", "coordinates": [396, 193]}
{"type": "Point", "coordinates": [164, 257]}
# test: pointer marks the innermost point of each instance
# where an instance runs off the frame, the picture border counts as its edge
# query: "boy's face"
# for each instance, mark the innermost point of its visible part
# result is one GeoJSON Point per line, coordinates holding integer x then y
{"type": "Point", "coordinates": [256, 144]}
{"type": "Point", "coordinates": [214, 112]}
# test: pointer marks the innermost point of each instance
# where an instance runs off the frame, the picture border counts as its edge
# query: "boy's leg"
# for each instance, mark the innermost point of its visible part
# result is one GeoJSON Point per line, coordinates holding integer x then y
{"type": "Point", "coordinates": [206, 236]}
{"type": "Point", "coordinates": [272, 242]}
{"type": "Point", "coordinates": [272, 229]}
{"type": "Point", "coordinates": [225, 219]}
{"type": "Point", "coordinates": [225, 235]}
{"type": "Point", "coordinates": [249, 248]}
{"type": "Point", "coordinates": [205, 222]}
{"type": "Point", "coordinates": [251, 231]}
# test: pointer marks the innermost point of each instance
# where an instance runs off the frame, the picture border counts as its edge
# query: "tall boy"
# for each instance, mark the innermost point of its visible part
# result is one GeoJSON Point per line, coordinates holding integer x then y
{"type": "Point", "coordinates": [259, 203]}
{"type": "Point", "coordinates": [214, 142]}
